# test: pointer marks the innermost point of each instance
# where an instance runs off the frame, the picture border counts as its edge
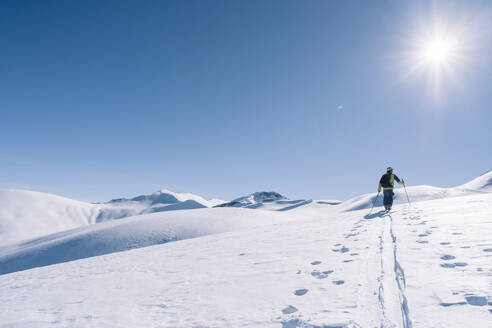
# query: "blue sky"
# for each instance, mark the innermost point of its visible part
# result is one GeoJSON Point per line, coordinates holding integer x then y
{"type": "Point", "coordinates": [102, 99]}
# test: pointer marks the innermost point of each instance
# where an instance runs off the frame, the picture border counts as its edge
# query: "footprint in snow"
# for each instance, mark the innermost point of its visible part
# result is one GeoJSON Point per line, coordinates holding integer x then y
{"type": "Point", "coordinates": [448, 265]}
{"type": "Point", "coordinates": [290, 309]}
{"type": "Point", "coordinates": [422, 241]}
{"type": "Point", "coordinates": [338, 282]}
{"type": "Point", "coordinates": [476, 300]}
{"type": "Point", "coordinates": [487, 250]}
{"type": "Point", "coordinates": [453, 265]}
{"type": "Point", "coordinates": [296, 323]}
{"type": "Point", "coordinates": [445, 243]}
{"type": "Point", "coordinates": [321, 275]}
{"type": "Point", "coordinates": [457, 233]}
{"type": "Point", "coordinates": [344, 249]}
{"type": "Point", "coordinates": [451, 304]}
{"type": "Point", "coordinates": [315, 262]}
{"type": "Point", "coordinates": [300, 292]}
{"type": "Point", "coordinates": [448, 257]}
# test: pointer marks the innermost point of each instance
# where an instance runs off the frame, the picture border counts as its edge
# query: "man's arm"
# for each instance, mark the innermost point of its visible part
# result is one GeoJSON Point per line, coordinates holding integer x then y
{"type": "Point", "coordinates": [398, 180]}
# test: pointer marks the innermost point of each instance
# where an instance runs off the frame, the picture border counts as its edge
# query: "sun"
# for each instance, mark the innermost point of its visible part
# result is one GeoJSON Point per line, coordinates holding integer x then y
{"type": "Point", "coordinates": [436, 55]}
{"type": "Point", "coordinates": [440, 47]}
{"type": "Point", "coordinates": [439, 50]}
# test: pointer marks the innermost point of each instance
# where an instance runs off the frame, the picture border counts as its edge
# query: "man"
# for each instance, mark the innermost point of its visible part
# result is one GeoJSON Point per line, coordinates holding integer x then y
{"type": "Point", "coordinates": [387, 182]}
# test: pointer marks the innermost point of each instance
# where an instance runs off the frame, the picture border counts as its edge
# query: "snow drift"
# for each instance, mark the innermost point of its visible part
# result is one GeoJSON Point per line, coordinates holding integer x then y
{"type": "Point", "coordinates": [423, 266]}
{"type": "Point", "coordinates": [134, 232]}
{"type": "Point", "coordinates": [28, 214]}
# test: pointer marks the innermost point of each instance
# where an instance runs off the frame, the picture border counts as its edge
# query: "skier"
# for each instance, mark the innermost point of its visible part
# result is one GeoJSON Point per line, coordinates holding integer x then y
{"type": "Point", "coordinates": [387, 182]}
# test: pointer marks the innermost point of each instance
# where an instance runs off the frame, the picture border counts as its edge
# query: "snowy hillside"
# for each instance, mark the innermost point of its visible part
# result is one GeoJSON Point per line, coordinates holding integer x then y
{"type": "Point", "coordinates": [315, 265]}
{"type": "Point", "coordinates": [163, 197]}
{"type": "Point", "coordinates": [266, 200]}
{"type": "Point", "coordinates": [423, 266]}
{"type": "Point", "coordinates": [28, 214]}
{"type": "Point", "coordinates": [160, 201]}
{"type": "Point", "coordinates": [482, 184]}
{"type": "Point", "coordinates": [134, 232]}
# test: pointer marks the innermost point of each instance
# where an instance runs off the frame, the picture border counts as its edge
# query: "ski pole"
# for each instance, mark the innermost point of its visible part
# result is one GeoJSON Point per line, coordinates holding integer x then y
{"type": "Point", "coordinates": [373, 203]}
{"type": "Point", "coordinates": [407, 194]}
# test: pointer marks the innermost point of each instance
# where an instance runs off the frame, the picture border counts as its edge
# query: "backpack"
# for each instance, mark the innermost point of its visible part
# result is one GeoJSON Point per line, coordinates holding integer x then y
{"type": "Point", "coordinates": [386, 181]}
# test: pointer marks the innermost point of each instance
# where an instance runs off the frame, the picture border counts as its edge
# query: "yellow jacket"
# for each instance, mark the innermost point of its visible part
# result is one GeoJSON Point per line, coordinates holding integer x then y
{"type": "Point", "coordinates": [387, 181]}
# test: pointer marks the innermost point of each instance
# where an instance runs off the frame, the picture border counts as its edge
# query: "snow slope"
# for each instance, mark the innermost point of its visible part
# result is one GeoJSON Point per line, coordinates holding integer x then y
{"type": "Point", "coordinates": [317, 265]}
{"type": "Point", "coordinates": [267, 200]}
{"type": "Point", "coordinates": [133, 232]}
{"type": "Point", "coordinates": [164, 196]}
{"type": "Point", "coordinates": [428, 265]}
{"type": "Point", "coordinates": [481, 184]}
{"type": "Point", "coordinates": [28, 214]}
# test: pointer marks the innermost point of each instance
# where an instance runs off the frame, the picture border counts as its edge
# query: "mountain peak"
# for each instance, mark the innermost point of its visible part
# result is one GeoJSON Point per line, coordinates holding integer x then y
{"type": "Point", "coordinates": [482, 183]}
{"type": "Point", "coordinates": [266, 200]}
{"type": "Point", "coordinates": [261, 197]}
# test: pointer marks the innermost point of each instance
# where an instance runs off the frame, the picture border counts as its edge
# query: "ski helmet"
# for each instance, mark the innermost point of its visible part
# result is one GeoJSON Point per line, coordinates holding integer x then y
{"type": "Point", "coordinates": [389, 169]}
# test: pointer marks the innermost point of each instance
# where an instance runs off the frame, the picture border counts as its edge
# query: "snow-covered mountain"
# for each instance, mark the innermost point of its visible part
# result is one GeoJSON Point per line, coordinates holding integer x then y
{"type": "Point", "coordinates": [425, 265]}
{"type": "Point", "coordinates": [164, 197]}
{"type": "Point", "coordinates": [266, 200]}
{"type": "Point", "coordinates": [28, 214]}
{"type": "Point", "coordinates": [160, 201]}
{"type": "Point", "coordinates": [134, 232]}
{"type": "Point", "coordinates": [481, 184]}
{"type": "Point", "coordinates": [316, 265]}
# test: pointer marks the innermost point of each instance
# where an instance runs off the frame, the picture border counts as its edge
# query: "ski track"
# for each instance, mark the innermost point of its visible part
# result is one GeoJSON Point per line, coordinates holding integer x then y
{"type": "Point", "coordinates": [381, 290]}
{"type": "Point", "coordinates": [391, 283]}
{"type": "Point", "coordinates": [400, 280]}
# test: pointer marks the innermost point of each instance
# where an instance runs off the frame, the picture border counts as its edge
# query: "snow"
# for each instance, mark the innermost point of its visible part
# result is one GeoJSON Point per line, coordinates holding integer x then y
{"type": "Point", "coordinates": [268, 200]}
{"type": "Point", "coordinates": [134, 232]}
{"type": "Point", "coordinates": [316, 265]}
{"type": "Point", "coordinates": [482, 184]}
{"type": "Point", "coordinates": [165, 196]}
{"type": "Point", "coordinates": [28, 214]}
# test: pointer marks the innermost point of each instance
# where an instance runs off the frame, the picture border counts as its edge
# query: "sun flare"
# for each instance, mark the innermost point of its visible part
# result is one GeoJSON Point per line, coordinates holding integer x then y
{"type": "Point", "coordinates": [438, 55]}
{"type": "Point", "coordinates": [439, 50]}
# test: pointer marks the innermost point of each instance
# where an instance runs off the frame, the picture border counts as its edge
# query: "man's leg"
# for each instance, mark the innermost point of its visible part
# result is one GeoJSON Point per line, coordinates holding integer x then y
{"type": "Point", "coordinates": [390, 199]}
{"type": "Point", "coordinates": [386, 200]}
